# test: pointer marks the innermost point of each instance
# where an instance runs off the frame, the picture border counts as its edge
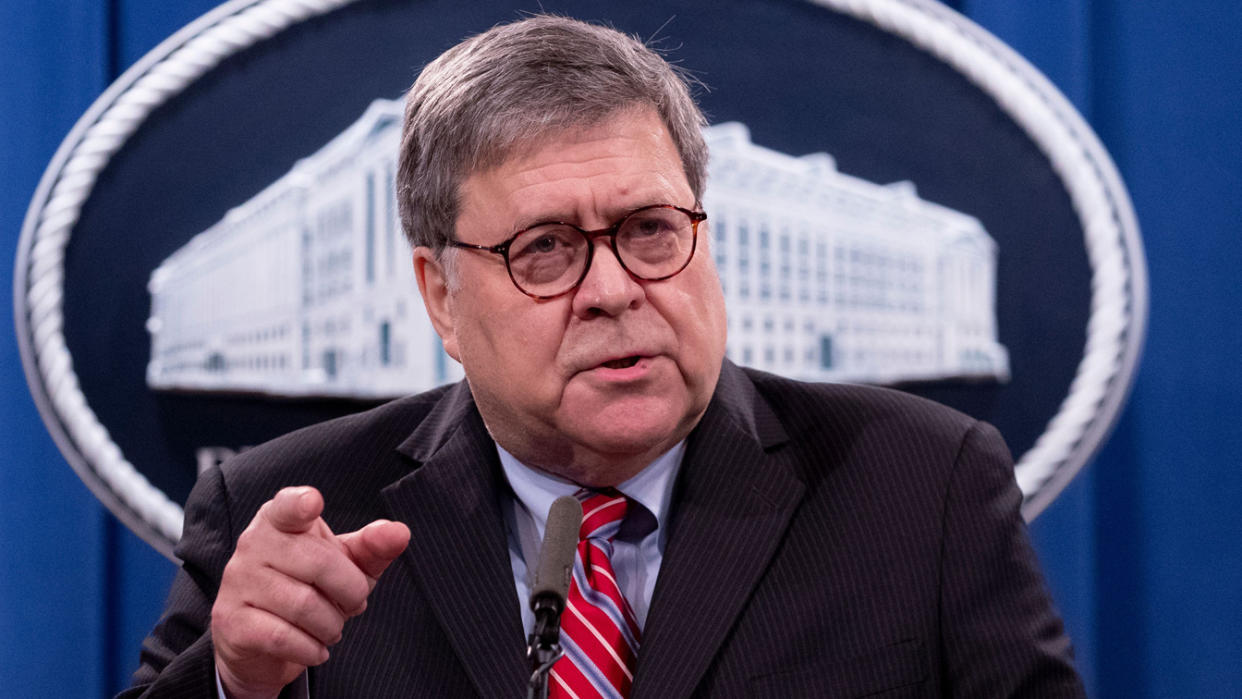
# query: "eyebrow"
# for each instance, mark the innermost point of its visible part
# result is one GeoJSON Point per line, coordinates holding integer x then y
{"type": "Point", "coordinates": [612, 216]}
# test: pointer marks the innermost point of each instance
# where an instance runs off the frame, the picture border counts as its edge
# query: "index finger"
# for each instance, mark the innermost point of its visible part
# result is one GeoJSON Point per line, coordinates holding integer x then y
{"type": "Point", "coordinates": [293, 510]}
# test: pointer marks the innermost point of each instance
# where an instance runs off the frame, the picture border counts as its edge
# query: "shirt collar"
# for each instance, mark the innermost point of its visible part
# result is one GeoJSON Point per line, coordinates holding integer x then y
{"type": "Point", "coordinates": [651, 487]}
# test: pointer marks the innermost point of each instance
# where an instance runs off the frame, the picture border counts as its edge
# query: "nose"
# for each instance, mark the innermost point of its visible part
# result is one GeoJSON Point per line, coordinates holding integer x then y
{"type": "Point", "coordinates": [608, 289]}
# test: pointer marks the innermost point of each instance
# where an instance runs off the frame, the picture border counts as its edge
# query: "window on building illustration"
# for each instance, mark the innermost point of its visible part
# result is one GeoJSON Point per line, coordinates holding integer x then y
{"type": "Point", "coordinates": [390, 221]}
{"type": "Point", "coordinates": [804, 269]}
{"type": "Point", "coordinates": [825, 351]}
{"type": "Point", "coordinates": [385, 340]}
{"type": "Point", "coordinates": [437, 348]}
{"type": "Point", "coordinates": [765, 264]}
{"type": "Point", "coordinates": [330, 363]}
{"type": "Point", "coordinates": [743, 259]}
{"type": "Point", "coordinates": [722, 233]}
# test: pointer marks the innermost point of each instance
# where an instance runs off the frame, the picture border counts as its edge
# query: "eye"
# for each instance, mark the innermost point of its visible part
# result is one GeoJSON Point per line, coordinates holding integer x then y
{"type": "Point", "coordinates": [543, 241]}
{"type": "Point", "coordinates": [546, 255]}
{"type": "Point", "coordinates": [651, 229]}
{"type": "Point", "coordinates": [646, 224]}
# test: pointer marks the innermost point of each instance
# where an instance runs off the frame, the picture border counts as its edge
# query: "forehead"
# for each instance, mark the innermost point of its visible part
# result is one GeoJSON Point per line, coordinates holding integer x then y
{"type": "Point", "coordinates": [578, 173]}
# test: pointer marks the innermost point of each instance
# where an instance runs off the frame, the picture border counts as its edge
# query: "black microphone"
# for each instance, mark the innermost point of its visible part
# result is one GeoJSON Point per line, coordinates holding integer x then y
{"type": "Point", "coordinates": [556, 566]}
{"type": "Point", "coordinates": [547, 595]}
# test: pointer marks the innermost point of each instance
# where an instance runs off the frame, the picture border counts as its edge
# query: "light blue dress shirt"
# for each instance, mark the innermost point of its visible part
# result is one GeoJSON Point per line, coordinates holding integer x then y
{"type": "Point", "coordinates": [635, 560]}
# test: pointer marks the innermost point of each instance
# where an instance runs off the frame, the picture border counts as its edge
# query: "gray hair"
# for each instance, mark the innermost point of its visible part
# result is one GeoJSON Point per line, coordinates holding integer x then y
{"type": "Point", "coordinates": [505, 89]}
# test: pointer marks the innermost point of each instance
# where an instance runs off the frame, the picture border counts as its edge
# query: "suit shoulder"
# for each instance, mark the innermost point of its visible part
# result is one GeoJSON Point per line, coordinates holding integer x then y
{"type": "Point", "coordinates": [358, 446]}
{"type": "Point", "coordinates": [881, 443]}
{"type": "Point", "coordinates": [807, 405]}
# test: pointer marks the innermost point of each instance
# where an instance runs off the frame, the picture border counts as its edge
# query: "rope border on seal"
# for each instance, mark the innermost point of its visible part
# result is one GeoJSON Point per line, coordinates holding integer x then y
{"type": "Point", "coordinates": [38, 279]}
{"type": "Point", "coordinates": [1117, 322]}
{"type": "Point", "coordinates": [1119, 286]}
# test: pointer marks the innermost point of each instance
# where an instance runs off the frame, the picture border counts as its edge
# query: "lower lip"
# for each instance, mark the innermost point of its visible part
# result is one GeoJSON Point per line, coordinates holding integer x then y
{"type": "Point", "coordinates": [640, 369]}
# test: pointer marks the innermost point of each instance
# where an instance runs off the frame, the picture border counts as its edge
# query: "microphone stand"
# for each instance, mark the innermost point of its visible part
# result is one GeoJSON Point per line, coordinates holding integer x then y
{"type": "Point", "coordinates": [548, 594]}
{"type": "Point", "coordinates": [543, 648]}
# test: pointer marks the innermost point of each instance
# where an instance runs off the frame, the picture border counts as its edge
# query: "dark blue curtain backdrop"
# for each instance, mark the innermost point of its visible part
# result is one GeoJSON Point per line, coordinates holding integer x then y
{"type": "Point", "coordinates": [1141, 550]}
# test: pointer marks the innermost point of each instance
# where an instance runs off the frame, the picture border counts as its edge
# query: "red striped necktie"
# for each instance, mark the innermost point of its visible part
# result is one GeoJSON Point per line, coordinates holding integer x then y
{"type": "Point", "coordinates": [598, 631]}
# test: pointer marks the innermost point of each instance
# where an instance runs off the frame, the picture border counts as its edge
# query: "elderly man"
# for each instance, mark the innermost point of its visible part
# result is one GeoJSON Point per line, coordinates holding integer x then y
{"type": "Point", "coordinates": [745, 535]}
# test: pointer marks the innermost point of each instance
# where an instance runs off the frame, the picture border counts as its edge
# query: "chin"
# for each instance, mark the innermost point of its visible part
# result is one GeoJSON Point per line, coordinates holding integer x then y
{"type": "Point", "coordinates": [627, 434]}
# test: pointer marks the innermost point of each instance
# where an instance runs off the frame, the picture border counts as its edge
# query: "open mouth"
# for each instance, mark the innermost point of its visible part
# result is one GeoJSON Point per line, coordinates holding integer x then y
{"type": "Point", "coordinates": [624, 363]}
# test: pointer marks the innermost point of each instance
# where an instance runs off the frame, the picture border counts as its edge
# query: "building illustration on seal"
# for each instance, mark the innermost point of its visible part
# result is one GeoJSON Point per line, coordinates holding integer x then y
{"type": "Point", "coordinates": [307, 289]}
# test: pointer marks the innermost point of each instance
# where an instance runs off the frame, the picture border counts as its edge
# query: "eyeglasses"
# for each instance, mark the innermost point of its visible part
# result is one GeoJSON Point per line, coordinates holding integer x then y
{"type": "Point", "coordinates": [552, 258]}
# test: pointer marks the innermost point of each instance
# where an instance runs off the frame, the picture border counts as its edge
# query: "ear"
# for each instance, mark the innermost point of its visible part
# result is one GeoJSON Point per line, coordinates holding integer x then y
{"type": "Point", "coordinates": [433, 284]}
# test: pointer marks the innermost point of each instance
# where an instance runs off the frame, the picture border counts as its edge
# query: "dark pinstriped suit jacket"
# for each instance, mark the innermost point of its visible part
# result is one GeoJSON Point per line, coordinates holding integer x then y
{"type": "Point", "coordinates": [826, 541]}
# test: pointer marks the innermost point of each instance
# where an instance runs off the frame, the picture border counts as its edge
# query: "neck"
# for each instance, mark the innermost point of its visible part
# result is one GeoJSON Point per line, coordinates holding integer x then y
{"type": "Point", "coordinates": [583, 467]}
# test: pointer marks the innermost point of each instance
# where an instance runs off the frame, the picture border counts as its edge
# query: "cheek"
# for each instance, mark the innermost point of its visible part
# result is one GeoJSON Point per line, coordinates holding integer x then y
{"type": "Point", "coordinates": [697, 314]}
{"type": "Point", "coordinates": [516, 346]}
{"type": "Point", "coordinates": [704, 300]}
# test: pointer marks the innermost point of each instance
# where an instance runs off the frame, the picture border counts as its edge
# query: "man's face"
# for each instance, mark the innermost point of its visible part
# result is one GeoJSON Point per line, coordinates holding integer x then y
{"type": "Point", "coordinates": [556, 380]}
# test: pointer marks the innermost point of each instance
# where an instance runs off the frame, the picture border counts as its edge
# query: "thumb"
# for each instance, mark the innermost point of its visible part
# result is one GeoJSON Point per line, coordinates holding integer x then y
{"type": "Point", "coordinates": [374, 546]}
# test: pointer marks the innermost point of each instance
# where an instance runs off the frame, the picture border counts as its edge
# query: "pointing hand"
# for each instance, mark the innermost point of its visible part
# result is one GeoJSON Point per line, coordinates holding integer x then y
{"type": "Point", "coordinates": [289, 588]}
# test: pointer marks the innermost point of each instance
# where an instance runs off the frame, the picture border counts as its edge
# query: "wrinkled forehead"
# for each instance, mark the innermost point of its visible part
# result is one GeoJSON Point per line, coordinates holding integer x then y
{"type": "Point", "coordinates": [580, 174]}
{"type": "Point", "coordinates": [528, 132]}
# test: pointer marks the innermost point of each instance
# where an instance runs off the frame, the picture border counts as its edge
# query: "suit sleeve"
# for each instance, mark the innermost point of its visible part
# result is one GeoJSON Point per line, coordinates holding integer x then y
{"type": "Point", "coordinates": [177, 659]}
{"type": "Point", "coordinates": [1001, 635]}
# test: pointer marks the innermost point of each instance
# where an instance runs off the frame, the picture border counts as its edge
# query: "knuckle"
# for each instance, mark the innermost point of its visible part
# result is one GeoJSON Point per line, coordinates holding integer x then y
{"type": "Point", "coordinates": [360, 587]}
{"type": "Point", "coordinates": [246, 541]}
{"type": "Point", "coordinates": [304, 601]}
{"type": "Point", "coordinates": [231, 631]}
{"type": "Point", "coordinates": [222, 621]}
{"type": "Point", "coordinates": [279, 638]}
{"type": "Point", "coordinates": [356, 594]}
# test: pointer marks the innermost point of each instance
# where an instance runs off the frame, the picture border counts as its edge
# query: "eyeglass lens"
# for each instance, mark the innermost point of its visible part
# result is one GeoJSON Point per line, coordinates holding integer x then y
{"type": "Point", "coordinates": [651, 243]}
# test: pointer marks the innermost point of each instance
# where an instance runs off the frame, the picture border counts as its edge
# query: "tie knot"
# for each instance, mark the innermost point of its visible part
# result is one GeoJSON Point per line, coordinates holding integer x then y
{"type": "Point", "coordinates": [602, 512]}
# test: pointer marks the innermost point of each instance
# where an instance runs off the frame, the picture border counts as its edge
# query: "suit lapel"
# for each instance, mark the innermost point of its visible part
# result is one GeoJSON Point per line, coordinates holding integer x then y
{"type": "Point", "coordinates": [458, 552]}
{"type": "Point", "coordinates": [733, 502]}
